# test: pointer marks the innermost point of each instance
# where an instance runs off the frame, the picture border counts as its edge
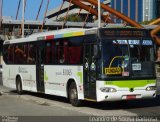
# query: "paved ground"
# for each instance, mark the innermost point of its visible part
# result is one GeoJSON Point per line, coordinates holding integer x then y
{"type": "Point", "coordinates": [15, 106]}
{"type": "Point", "coordinates": [121, 108]}
{"type": "Point", "coordinates": [88, 108]}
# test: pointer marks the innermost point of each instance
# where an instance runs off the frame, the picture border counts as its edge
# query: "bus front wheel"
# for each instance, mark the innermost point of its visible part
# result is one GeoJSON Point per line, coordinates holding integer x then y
{"type": "Point", "coordinates": [19, 85]}
{"type": "Point", "coordinates": [73, 95]}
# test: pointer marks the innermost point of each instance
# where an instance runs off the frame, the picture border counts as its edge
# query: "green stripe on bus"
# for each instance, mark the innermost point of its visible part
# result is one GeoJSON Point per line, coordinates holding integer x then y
{"type": "Point", "coordinates": [130, 83]}
{"type": "Point", "coordinates": [45, 76]}
{"type": "Point", "coordinates": [79, 74]}
{"type": "Point", "coordinates": [67, 34]}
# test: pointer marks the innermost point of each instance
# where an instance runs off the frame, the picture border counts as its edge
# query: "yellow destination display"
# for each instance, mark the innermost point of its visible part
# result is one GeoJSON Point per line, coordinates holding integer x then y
{"type": "Point", "coordinates": [113, 71]}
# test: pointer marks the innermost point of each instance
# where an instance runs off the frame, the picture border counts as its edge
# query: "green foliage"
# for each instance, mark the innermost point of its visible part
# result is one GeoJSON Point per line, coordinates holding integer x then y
{"type": "Point", "coordinates": [72, 18]}
{"type": "Point", "coordinates": [147, 22]}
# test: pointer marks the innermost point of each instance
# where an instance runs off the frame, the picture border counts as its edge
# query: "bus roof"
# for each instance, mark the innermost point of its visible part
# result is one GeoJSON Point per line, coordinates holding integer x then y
{"type": "Point", "coordinates": [63, 33]}
{"type": "Point", "coordinates": [68, 32]}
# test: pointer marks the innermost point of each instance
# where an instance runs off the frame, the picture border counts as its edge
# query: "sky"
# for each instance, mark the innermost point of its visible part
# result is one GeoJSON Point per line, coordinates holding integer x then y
{"type": "Point", "coordinates": [10, 8]}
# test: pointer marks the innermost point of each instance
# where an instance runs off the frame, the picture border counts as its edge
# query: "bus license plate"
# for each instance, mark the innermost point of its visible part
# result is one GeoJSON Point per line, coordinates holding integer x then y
{"type": "Point", "coordinates": [131, 97]}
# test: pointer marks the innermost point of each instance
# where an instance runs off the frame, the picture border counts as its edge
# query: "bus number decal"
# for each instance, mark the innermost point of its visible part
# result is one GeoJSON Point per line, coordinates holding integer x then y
{"type": "Point", "coordinates": [67, 72]}
{"type": "Point", "coordinates": [113, 71]}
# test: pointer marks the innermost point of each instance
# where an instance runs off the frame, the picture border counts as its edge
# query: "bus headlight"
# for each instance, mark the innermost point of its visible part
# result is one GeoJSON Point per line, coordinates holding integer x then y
{"type": "Point", "coordinates": [108, 89]}
{"type": "Point", "coordinates": [151, 88]}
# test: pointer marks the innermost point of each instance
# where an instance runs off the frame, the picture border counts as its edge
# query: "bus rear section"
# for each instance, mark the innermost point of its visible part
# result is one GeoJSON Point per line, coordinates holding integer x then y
{"type": "Point", "coordinates": [19, 65]}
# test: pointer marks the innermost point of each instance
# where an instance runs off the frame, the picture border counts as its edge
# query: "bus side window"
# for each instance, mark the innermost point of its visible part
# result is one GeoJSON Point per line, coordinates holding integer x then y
{"type": "Point", "coordinates": [20, 55]}
{"type": "Point", "coordinates": [53, 52]}
{"type": "Point", "coordinates": [5, 53]}
{"type": "Point", "coordinates": [75, 55]}
{"type": "Point", "coordinates": [10, 54]}
{"type": "Point", "coordinates": [63, 52]}
{"type": "Point", "coordinates": [61, 58]}
{"type": "Point", "coordinates": [49, 53]}
{"type": "Point", "coordinates": [31, 54]}
{"type": "Point", "coordinates": [75, 51]}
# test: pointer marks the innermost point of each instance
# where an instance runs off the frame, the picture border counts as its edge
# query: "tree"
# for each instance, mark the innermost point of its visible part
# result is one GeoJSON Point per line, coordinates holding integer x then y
{"type": "Point", "coordinates": [72, 18]}
{"type": "Point", "coordinates": [146, 22]}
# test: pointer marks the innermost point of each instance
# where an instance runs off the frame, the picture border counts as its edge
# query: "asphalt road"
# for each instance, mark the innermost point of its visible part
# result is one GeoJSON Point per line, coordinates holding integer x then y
{"type": "Point", "coordinates": [13, 105]}
{"type": "Point", "coordinates": [28, 101]}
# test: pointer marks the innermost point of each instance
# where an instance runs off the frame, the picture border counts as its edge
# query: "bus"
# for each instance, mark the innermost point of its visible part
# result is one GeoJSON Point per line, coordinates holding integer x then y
{"type": "Point", "coordinates": [97, 64]}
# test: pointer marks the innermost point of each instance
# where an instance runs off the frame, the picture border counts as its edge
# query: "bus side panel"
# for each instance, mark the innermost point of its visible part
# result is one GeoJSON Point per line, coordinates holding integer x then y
{"type": "Point", "coordinates": [9, 75]}
{"type": "Point", "coordinates": [26, 72]}
{"type": "Point", "coordinates": [56, 78]}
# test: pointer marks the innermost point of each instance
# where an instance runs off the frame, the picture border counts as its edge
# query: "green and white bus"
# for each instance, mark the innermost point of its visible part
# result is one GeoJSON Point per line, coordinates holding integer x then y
{"type": "Point", "coordinates": [98, 64]}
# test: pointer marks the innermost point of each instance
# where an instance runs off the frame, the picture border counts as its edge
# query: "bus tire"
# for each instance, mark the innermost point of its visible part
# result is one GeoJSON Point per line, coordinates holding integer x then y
{"type": "Point", "coordinates": [73, 95]}
{"type": "Point", "coordinates": [19, 85]}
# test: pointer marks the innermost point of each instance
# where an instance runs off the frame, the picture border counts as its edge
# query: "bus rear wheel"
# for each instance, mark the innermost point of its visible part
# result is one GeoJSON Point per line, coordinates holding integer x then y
{"type": "Point", "coordinates": [73, 95]}
{"type": "Point", "coordinates": [19, 85]}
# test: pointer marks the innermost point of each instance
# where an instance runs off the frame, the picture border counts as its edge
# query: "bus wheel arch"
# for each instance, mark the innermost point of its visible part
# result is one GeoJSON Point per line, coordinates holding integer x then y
{"type": "Point", "coordinates": [72, 93]}
{"type": "Point", "coordinates": [19, 84]}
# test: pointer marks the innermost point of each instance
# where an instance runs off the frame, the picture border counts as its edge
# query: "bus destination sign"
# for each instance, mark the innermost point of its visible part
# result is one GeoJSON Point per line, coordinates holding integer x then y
{"type": "Point", "coordinates": [116, 32]}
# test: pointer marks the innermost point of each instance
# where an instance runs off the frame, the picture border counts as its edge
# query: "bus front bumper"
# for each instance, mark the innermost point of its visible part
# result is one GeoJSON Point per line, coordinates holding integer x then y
{"type": "Point", "coordinates": [125, 95]}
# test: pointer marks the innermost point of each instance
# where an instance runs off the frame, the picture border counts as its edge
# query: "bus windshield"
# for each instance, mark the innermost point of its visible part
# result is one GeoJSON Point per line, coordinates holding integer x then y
{"type": "Point", "coordinates": [127, 58]}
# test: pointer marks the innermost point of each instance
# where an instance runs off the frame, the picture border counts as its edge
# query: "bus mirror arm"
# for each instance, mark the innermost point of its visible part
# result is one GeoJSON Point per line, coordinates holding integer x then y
{"type": "Point", "coordinates": [97, 56]}
{"type": "Point", "coordinates": [96, 52]}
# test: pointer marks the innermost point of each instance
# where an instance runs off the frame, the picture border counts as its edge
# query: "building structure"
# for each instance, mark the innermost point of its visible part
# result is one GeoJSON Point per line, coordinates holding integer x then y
{"type": "Point", "coordinates": [157, 4]}
{"type": "Point", "coordinates": [57, 13]}
{"type": "Point", "coordinates": [137, 10]}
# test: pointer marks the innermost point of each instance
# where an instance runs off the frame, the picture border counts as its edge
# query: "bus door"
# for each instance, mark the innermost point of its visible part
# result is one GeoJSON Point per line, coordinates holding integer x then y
{"type": "Point", "coordinates": [89, 72]}
{"type": "Point", "coordinates": [40, 66]}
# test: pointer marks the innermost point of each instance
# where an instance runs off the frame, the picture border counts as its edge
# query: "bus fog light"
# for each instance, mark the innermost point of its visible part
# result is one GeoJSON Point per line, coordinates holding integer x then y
{"type": "Point", "coordinates": [108, 89]}
{"type": "Point", "coordinates": [151, 88]}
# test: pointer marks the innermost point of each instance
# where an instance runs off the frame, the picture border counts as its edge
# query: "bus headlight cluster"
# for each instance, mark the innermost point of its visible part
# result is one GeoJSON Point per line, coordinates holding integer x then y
{"type": "Point", "coordinates": [151, 88]}
{"type": "Point", "coordinates": [108, 89]}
